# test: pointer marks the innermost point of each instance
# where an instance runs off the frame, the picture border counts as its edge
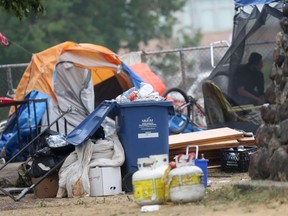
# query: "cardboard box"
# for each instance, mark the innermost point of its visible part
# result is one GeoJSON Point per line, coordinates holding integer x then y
{"type": "Point", "coordinates": [48, 187]}
{"type": "Point", "coordinates": [105, 181]}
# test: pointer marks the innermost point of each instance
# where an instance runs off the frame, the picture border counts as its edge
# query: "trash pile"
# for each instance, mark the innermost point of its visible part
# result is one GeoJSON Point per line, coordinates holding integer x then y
{"type": "Point", "coordinates": [144, 93]}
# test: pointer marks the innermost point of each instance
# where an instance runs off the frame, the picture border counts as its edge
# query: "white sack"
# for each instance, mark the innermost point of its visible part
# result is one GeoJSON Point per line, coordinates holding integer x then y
{"type": "Point", "coordinates": [73, 175]}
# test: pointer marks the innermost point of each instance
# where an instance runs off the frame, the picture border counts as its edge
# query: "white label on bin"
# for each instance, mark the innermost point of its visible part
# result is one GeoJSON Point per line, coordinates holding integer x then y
{"type": "Point", "coordinates": [148, 135]}
{"type": "Point", "coordinates": [147, 124]}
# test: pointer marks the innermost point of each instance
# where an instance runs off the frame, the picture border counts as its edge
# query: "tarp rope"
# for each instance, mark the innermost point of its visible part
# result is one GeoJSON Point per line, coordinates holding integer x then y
{"type": "Point", "coordinates": [3, 40]}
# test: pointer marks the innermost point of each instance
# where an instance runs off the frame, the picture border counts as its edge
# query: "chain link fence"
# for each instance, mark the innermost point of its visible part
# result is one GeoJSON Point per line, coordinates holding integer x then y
{"type": "Point", "coordinates": [10, 76]}
{"type": "Point", "coordinates": [184, 68]}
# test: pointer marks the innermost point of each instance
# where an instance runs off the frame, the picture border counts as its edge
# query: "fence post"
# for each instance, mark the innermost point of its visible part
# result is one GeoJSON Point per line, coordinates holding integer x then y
{"type": "Point", "coordinates": [183, 70]}
{"type": "Point", "coordinates": [11, 90]}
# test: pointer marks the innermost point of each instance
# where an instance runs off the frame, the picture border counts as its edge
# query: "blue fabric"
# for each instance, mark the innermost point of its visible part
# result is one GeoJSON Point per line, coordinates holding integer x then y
{"type": "Point", "coordinates": [174, 121]}
{"type": "Point", "coordinates": [239, 3]}
{"type": "Point", "coordinates": [9, 137]}
{"type": "Point", "coordinates": [134, 78]}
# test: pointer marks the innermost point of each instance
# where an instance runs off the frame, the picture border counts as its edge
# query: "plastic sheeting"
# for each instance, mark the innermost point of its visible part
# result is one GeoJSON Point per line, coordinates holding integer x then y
{"type": "Point", "coordinates": [253, 31]}
{"type": "Point", "coordinates": [73, 175]}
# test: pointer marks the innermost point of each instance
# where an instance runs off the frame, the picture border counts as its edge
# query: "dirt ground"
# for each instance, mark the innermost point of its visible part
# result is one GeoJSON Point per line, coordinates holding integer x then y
{"type": "Point", "coordinates": [220, 199]}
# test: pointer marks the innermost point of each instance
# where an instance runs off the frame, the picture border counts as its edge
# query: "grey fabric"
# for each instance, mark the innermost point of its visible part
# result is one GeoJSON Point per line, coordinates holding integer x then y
{"type": "Point", "coordinates": [73, 88]}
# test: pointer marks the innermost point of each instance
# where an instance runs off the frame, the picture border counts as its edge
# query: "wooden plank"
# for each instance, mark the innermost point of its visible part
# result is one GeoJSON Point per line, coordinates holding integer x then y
{"type": "Point", "coordinates": [202, 142]}
{"type": "Point", "coordinates": [210, 146]}
{"type": "Point", "coordinates": [204, 137]}
{"type": "Point", "coordinates": [247, 140]}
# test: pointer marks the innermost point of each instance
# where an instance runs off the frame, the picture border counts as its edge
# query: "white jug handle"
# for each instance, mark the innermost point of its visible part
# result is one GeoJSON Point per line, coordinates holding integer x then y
{"type": "Point", "coordinates": [192, 146]}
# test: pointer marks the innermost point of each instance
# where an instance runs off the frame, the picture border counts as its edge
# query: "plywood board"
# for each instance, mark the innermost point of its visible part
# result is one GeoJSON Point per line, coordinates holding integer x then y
{"type": "Point", "coordinates": [204, 137]}
{"type": "Point", "coordinates": [211, 146]}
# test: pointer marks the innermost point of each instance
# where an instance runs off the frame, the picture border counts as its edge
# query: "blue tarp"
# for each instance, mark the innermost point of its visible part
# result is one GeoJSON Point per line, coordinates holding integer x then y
{"type": "Point", "coordinates": [240, 3]}
{"type": "Point", "coordinates": [26, 123]}
{"type": "Point", "coordinates": [134, 78]}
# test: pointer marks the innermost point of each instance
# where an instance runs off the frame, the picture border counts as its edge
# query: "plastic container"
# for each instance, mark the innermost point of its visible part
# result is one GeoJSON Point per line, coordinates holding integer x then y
{"type": "Point", "coordinates": [161, 161]}
{"type": "Point", "coordinates": [203, 164]}
{"type": "Point", "coordinates": [127, 95]}
{"type": "Point", "coordinates": [186, 180]}
{"type": "Point", "coordinates": [105, 181]}
{"type": "Point", "coordinates": [143, 130]}
{"type": "Point", "coordinates": [237, 160]}
{"type": "Point", "coordinates": [147, 183]}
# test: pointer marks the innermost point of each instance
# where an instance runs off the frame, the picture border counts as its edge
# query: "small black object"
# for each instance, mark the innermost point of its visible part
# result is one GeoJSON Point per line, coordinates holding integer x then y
{"type": "Point", "coordinates": [236, 160]}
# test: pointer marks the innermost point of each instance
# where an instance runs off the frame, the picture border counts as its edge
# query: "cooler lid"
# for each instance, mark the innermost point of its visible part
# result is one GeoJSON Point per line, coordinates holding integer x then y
{"type": "Point", "coordinates": [91, 123]}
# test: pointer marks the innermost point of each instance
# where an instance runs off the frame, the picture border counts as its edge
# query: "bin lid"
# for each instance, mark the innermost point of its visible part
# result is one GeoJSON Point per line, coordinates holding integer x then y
{"type": "Point", "coordinates": [91, 123]}
{"type": "Point", "coordinates": [168, 104]}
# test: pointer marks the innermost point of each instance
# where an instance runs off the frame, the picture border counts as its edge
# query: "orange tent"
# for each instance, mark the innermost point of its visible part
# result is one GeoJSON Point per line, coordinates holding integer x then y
{"type": "Point", "coordinates": [101, 61]}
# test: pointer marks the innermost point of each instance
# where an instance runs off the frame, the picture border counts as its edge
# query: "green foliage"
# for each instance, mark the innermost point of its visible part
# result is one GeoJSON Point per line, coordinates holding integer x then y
{"type": "Point", "coordinates": [112, 23]}
{"type": "Point", "coordinates": [188, 41]}
{"type": "Point", "coordinates": [23, 8]}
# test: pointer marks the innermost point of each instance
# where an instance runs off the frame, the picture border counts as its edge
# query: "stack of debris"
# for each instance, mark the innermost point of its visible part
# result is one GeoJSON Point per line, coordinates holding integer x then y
{"type": "Point", "coordinates": [210, 143]}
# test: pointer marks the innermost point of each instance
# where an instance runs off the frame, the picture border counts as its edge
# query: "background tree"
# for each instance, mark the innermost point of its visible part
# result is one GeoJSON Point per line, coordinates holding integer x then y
{"type": "Point", "coordinates": [22, 8]}
{"type": "Point", "coordinates": [114, 24]}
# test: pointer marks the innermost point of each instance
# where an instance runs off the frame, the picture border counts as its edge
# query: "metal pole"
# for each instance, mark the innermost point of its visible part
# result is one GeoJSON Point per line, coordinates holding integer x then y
{"type": "Point", "coordinates": [32, 141]}
{"type": "Point", "coordinates": [183, 69]}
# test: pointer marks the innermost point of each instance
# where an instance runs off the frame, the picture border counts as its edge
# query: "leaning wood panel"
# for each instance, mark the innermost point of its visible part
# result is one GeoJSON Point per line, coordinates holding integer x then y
{"type": "Point", "coordinates": [204, 137]}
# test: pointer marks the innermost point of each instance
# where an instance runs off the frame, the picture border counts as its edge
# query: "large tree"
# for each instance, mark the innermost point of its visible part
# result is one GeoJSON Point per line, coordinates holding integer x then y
{"type": "Point", "coordinates": [23, 8]}
{"type": "Point", "coordinates": [111, 23]}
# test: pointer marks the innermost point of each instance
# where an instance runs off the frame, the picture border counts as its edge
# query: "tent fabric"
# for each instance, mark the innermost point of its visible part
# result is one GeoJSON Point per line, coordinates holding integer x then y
{"type": "Point", "coordinates": [149, 77]}
{"type": "Point", "coordinates": [73, 87]}
{"type": "Point", "coordinates": [253, 32]}
{"type": "Point", "coordinates": [135, 79]}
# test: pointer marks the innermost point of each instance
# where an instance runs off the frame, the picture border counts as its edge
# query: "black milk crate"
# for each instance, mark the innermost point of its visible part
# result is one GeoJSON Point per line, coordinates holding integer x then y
{"type": "Point", "coordinates": [236, 160]}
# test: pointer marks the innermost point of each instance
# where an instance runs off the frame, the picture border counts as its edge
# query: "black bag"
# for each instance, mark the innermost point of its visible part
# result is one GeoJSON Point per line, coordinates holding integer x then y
{"type": "Point", "coordinates": [42, 162]}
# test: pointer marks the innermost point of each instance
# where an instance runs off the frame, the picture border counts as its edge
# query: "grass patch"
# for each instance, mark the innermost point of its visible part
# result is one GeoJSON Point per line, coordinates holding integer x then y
{"type": "Point", "coordinates": [247, 196]}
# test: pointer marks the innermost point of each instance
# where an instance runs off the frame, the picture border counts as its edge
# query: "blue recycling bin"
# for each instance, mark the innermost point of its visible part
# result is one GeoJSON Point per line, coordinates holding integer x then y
{"type": "Point", "coordinates": [143, 130]}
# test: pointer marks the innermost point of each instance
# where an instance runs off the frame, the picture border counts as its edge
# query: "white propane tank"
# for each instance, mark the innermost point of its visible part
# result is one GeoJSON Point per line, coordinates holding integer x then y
{"type": "Point", "coordinates": [161, 162]}
{"type": "Point", "coordinates": [186, 180]}
{"type": "Point", "coordinates": [147, 183]}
